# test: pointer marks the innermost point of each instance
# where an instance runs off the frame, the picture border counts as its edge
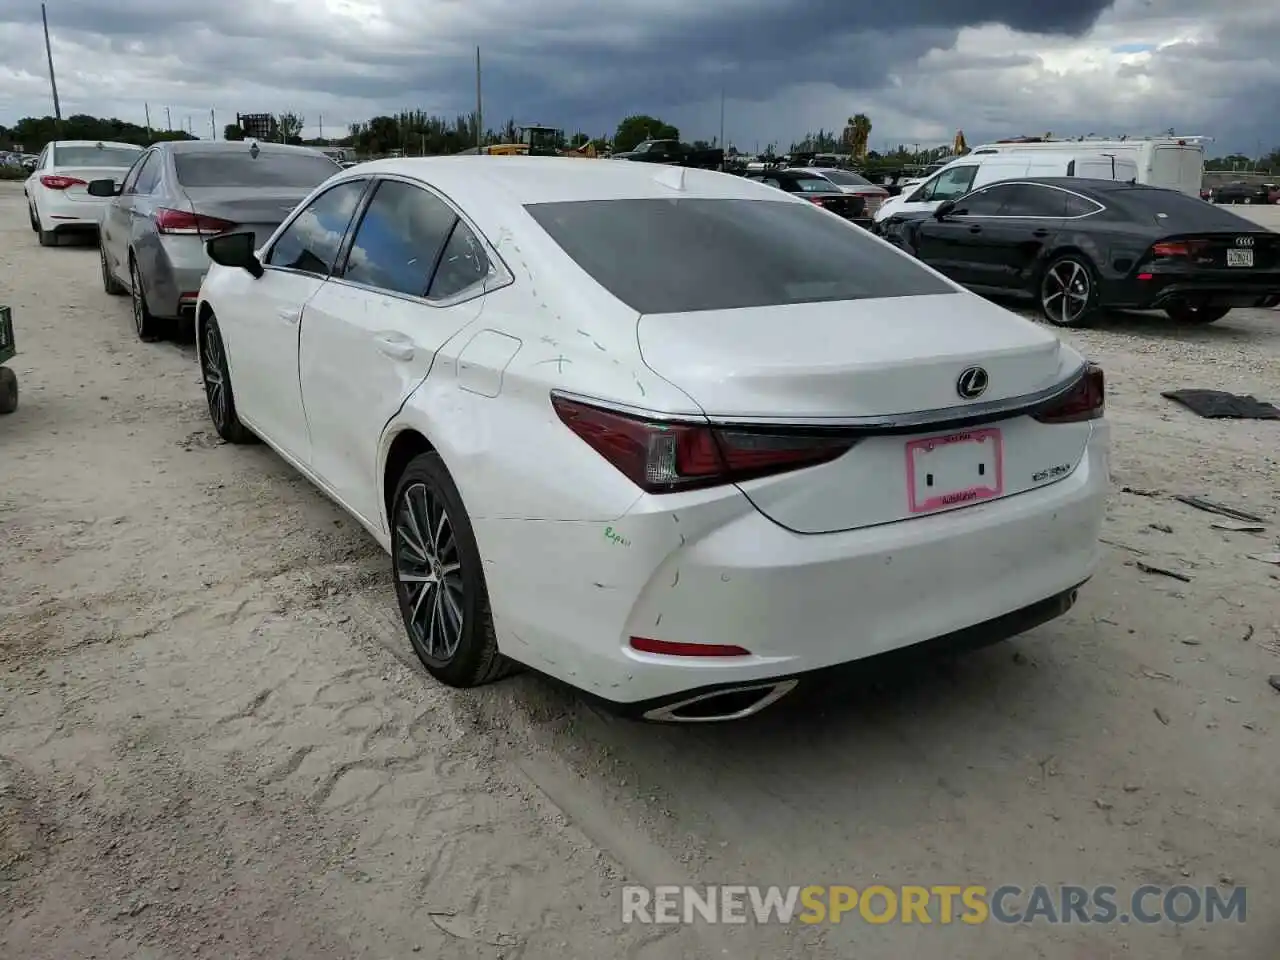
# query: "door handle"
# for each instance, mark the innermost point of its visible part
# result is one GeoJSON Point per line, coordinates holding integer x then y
{"type": "Point", "coordinates": [394, 345]}
{"type": "Point", "coordinates": [975, 229]}
{"type": "Point", "coordinates": [1040, 233]}
{"type": "Point", "coordinates": [287, 315]}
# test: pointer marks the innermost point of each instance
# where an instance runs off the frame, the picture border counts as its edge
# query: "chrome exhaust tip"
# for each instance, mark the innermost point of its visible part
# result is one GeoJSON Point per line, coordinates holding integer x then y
{"type": "Point", "coordinates": [734, 703]}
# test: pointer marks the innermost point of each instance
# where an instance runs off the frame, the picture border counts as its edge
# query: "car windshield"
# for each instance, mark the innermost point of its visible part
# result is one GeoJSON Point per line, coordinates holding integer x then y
{"type": "Point", "coordinates": [687, 255]}
{"type": "Point", "coordinates": [94, 156]}
{"type": "Point", "coordinates": [224, 168]}
{"type": "Point", "coordinates": [846, 179]}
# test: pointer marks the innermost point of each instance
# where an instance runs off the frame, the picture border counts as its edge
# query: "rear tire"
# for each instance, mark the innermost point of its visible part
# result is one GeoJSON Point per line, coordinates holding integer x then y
{"type": "Point", "coordinates": [1198, 314]}
{"type": "Point", "coordinates": [148, 327]}
{"type": "Point", "coordinates": [439, 578]}
{"type": "Point", "coordinates": [31, 216]}
{"type": "Point", "coordinates": [8, 390]}
{"type": "Point", "coordinates": [1068, 291]}
{"type": "Point", "coordinates": [216, 375]}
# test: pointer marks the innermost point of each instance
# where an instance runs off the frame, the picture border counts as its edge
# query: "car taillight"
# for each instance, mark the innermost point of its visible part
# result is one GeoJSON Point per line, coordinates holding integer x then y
{"type": "Point", "coordinates": [191, 224]}
{"type": "Point", "coordinates": [661, 456]}
{"type": "Point", "coordinates": [1179, 248]}
{"type": "Point", "coordinates": [1085, 401]}
{"type": "Point", "coordinates": [55, 181]}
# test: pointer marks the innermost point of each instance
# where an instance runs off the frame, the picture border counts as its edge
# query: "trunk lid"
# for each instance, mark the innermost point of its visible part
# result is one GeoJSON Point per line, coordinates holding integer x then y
{"type": "Point", "coordinates": [876, 360]}
{"type": "Point", "coordinates": [842, 204]}
{"type": "Point", "coordinates": [1237, 252]}
{"type": "Point", "coordinates": [261, 211]}
{"type": "Point", "coordinates": [79, 192]}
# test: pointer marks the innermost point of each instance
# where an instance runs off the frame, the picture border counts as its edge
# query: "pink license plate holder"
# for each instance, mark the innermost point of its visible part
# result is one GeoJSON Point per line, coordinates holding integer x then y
{"type": "Point", "coordinates": [954, 469]}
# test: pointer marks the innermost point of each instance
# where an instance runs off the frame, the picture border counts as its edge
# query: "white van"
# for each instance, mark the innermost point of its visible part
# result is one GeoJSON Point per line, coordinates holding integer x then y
{"type": "Point", "coordinates": [1175, 163]}
{"type": "Point", "coordinates": [977, 170]}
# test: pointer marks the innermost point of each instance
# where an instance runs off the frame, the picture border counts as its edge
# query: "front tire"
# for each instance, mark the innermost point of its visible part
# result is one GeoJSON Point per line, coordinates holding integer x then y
{"type": "Point", "coordinates": [439, 578]}
{"type": "Point", "coordinates": [1199, 314]}
{"type": "Point", "coordinates": [8, 390]}
{"type": "Point", "coordinates": [109, 283]}
{"type": "Point", "coordinates": [147, 325]}
{"type": "Point", "coordinates": [1068, 294]}
{"type": "Point", "coordinates": [217, 385]}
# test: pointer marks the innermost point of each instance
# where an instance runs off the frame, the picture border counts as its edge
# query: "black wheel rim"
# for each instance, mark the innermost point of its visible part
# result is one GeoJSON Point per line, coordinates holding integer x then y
{"type": "Point", "coordinates": [215, 382]}
{"type": "Point", "coordinates": [1065, 293]}
{"type": "Point", "coordinates": [428, 573]}
{"type": "Point", "coordinates": [139, 304]}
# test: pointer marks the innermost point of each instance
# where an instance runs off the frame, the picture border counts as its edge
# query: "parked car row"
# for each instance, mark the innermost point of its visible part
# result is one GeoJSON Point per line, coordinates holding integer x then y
{"type": "Point", "coordinates": [1078, 246]}
{"type": "Point", "coordinates": [670, 473]}
{"type": "Point", "coordinates": [1244, 192]}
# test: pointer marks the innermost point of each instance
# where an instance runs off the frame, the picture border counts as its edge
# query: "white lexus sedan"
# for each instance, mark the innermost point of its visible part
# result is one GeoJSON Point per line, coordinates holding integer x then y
{"type": "Point", "coordinates": [676, 438]}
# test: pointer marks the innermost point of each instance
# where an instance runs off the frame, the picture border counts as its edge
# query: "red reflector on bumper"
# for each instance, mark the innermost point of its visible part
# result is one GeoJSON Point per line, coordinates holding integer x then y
{"type": "Point", "coordinates": [669, 649]}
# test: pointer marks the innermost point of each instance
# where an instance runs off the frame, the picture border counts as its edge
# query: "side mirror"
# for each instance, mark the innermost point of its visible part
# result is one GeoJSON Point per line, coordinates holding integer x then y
{"type": "Point", "coordinates": [235, 250]}
{"type": "Point", "coordinates": [103, 188]}
{"type": "Point", "coordinates": [945, 209]}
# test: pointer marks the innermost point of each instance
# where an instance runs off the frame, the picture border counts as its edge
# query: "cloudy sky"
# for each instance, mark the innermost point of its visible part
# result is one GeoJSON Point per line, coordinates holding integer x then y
{"type": "Point", "coordinates": [921, 69]}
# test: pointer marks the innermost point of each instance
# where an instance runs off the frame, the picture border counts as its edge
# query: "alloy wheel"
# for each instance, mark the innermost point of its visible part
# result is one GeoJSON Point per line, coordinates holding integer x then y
{"type": "Point", "coordinates": [1065, 292]}
{"type": "Point", "coordinates": [429, 572]}
{"type": "Point", "coordinates": [139, 304]}
{"type": "Point", "coordinates": [215, 386]}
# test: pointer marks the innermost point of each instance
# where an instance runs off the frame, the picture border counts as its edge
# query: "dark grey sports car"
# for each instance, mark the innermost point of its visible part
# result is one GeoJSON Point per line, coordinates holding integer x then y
{"type": "Point", "coordinates": [1077, 246]}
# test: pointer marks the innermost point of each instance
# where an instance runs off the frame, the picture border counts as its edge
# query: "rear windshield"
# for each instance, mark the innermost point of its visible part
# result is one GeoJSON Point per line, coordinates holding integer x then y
{"type": "Point", "coordinates": [225, 168]}
{"type": "Point", "coordinates": [1174, 208]}
{"type": "Point", "coordinates": [94, 156]}
{"type": "Point", "coordinates": [685, 255]}
{"type": "Point", "coordinates": [813, 185]}
{"type": "Point", "coordinates": [846, 179]}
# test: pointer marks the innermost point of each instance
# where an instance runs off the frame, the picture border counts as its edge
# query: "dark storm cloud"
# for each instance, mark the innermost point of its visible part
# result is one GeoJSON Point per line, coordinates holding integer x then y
{"type": "Point", "coordinates": [563, 60]}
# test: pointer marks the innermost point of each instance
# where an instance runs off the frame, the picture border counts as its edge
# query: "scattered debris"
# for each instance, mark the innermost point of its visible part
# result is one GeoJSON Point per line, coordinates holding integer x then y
{"type": "Point", "coordinates": [1162, 571]}
{"type": "Point", "coordinates": [1132, 788]}
{"type": "Point", "coordinates": [1220, 405]}
{"type": "Point", "coordinates": [1227, 880]}
{"type": "Point", "coordinates": [1238, 526]}
{"type": "Point", "coordinates": [1233, 699]}
{"type": "Point", "coordinates": [1140, 492]}
{"type": "Point", "coordinates": [1274, 680]}
{"type": "Point", "coordinates": [1161, 716]}
{"type": "Point", "coordinates": [1156, 675]}
{"type": "Point", "coordinates": [1122, 546]}
{"type": "Point", "coordinates": [1273, 557]}
{"type": "Point", "coordinates": [1248, 633]}
{"type": "Point", "coordinates": [1249, 725]}
{"type": "Point", "coordinates": [1101, 804]}
{"type": "Point", "coordinates": [1162, 527]}
{"type": "Point", "coordinates": [1191, 641]}
{"type": "Point", "coordinates": [1208, 506]}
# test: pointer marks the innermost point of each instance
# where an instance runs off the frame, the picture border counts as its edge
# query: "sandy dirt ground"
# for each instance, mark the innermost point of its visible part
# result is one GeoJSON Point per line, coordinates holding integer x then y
{"type": "Point", "coordinates": [214, 740]}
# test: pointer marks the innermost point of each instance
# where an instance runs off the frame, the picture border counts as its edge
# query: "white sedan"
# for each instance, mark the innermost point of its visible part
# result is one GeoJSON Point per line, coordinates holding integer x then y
{"type": "Point", "coordinates": [58, 199]}
{"type": "Point", "coordinates": [671, 436]}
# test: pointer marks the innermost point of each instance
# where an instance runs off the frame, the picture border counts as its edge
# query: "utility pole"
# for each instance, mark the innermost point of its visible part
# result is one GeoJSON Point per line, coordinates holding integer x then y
{"type": "Point", "coordinates": [722, 145]}
{"type": "Point", "coordinates": [213, 125]}
{"type": "Point", "coordinates": [322, 126]}
{"type": "Point", "coordinates": [479, 109]}
{"type": "Point", "coordinates": [53, 81]}
{"type": "Point", "coordinates": [168, 120]}
{"type": "Point", "coordinates": [146, 109]}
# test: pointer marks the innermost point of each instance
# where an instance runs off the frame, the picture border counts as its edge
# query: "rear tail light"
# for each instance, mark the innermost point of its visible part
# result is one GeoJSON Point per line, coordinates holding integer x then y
{"type": "Point", "coordinates": [183, 222]}
{"type": "Point", "coordinates": [671, 648]}
{"type": "Point", "coordinates": [56, 181]}
{"type": "Point", "coordinates": [1085, 401]}
{"type": "Point", "coordinates": [662, 457]}
{"type": "Point", "coordinates": [1179, 248]}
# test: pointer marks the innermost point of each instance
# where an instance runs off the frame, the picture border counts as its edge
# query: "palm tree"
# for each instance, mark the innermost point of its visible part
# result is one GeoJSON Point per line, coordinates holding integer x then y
{"type": "Point", "coordinates": [857, 133]}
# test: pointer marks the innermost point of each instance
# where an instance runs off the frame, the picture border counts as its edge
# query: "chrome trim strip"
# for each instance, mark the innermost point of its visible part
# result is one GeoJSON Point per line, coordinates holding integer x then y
{"type": "Point", "coordinates": [777, 691]}
{"type": "Point", "coordinates": [880, 423]}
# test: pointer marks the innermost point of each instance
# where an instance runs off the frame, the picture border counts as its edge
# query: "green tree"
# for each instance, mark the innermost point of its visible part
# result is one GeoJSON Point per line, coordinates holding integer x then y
{"type": "Point", "coordinates": [634, 129]}
{"type": "Point", "coordinates": [290, 126]}
{"type": "Point", "coordinates": [232, 131]}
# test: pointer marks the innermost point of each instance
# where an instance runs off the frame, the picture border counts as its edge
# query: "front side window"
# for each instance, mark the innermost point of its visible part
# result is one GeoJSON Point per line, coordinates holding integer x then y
{"type": "Point", "coordinates": [951, 184]}
{"type": "Point", "coordinates": [981, 203]}
{"type": "Point", "coordinates": [399, 239]}
{"type": "Point", "coordinates": [131, 178]}
{"type": "Point", "coordinates": [727, 254]}
{"type": "Point", "coordinates": [312, 240]}
{"type": "Point", "coordinates": [149, 174]}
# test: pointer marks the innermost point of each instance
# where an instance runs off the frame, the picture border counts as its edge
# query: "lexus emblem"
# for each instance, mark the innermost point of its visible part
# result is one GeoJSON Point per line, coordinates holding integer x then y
{"type": "Point", "coordinates": [1244, 241]}
{"type": "Point", "coordinates": [972, 383]}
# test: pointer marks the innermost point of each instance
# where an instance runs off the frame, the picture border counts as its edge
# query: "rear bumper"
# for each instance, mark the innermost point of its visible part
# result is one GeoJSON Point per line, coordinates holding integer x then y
{"type": "Point", "coordinates": [174, 286]}
{"type": "Point", "coordinates": [59, 214]}
{"type": "Point", "coordinates": [1220, 289]}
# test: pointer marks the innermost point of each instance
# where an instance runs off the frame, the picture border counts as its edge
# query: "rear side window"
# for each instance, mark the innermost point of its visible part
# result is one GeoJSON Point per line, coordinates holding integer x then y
{"type": "Point", "coordinates": [399, 239]}
{"type": "Point", "coordinates": [687, 255]}
{"type": "Point", "coordinates": [235, 168]}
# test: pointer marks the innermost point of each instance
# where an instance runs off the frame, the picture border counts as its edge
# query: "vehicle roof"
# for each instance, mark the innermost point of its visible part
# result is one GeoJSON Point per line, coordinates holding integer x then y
{"type": "Point", "coordinates": [230, 146]}
{"type": "Point", "coordinates": [94, 143]}
{"type": "Point", "coordinates": [474, 181]}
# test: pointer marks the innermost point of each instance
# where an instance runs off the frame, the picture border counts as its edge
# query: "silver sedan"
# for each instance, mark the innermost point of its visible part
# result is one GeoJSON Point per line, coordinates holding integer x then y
{"type": "Point", "coordinates": [178, 195]}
